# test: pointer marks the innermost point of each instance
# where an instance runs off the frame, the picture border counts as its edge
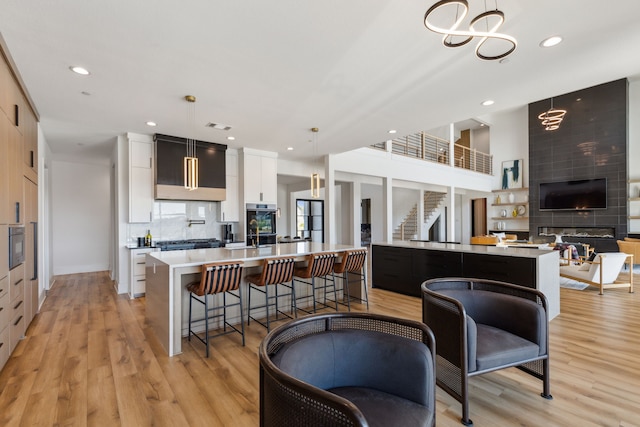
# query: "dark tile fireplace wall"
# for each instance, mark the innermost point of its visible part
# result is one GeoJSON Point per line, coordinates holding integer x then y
{"type": "Point", "coordinates": [590, 143]}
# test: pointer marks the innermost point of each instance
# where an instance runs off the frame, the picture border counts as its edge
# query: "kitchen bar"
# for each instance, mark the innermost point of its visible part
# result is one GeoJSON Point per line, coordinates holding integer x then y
{"type": "Point", "coordinates": [167, 274]}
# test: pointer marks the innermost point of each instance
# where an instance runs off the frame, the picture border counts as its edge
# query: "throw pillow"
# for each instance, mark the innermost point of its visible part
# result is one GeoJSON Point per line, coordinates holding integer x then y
{"type": "Point", "coordinates": [584, 266]}
{"type": "Point", "coordinates": [592, 256]}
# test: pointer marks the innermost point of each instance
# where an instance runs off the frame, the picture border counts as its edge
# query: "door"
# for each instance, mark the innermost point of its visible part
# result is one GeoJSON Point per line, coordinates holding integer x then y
{"type": "Point", "coordinates": [478, 217]}
{"type": "Point", "coordinates": [310, 220]}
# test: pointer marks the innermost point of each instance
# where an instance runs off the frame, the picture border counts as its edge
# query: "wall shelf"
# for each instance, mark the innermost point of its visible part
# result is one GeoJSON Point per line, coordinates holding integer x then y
{"type": "Point", "coordinates": [513, 190]}
{"type": "Point", "coordinates": [510, 218]}
{"type": "Point", "coordinates": [514, 203]}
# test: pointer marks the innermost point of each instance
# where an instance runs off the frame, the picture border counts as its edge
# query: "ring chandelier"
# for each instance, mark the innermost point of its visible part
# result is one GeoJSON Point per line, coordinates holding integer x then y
{"type": "Point", "coordinates": [474, 31]}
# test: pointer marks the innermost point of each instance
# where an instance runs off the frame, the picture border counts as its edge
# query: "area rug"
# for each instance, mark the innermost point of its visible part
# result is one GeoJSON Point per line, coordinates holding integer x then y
{"type": "Point", "coordinates": [572, 284]}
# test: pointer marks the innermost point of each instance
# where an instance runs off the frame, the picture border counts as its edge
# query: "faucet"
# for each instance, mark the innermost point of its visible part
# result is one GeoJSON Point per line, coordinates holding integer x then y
{"type": "Point", "coordinates": [257, 241]}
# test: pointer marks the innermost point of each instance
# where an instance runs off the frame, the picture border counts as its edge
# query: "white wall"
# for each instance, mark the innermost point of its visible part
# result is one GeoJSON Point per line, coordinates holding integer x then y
{"type": "Point", "coordinates": [81, 217]}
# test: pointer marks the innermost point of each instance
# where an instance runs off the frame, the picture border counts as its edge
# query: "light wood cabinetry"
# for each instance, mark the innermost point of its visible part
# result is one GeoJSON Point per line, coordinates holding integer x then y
{"type": "Point", "coordinates": [140, 178]}
{"type": "Point", "coordinates": [260, 173]}
{"type": "Point", "coordinates": [30, 243]}
{"type": "Point", "coordinates": [138, 279]}
{"type": "Point", "coordinates": [16, 305]}
{"type": "Point", "coordinates": [230, 208]}
{"type": "Point", "coordinates": [14, 170]}
{"type": "Point", "coordinates": [18, 205]}
{"type": "Point", "coordinates": [5, 211]}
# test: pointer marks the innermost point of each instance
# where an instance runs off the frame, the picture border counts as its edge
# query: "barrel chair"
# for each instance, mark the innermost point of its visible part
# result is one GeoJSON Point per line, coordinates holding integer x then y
{"type": "Point", "coordinates": [348, 369]}
{"type": "Point", "coordinates": [482, 326]}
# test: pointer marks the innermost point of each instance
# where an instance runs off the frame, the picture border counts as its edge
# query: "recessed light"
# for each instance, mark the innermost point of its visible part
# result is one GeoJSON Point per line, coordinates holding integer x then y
{"type": "Point", "coordinates": [488, 102]}
{"type": "Point", "coordinates": [289, 148]}
{"type": "Point", "coordinates": [231, 138]}
{"type": "Point", "coordinates": [152, 124]}
{"type": "Point", "coordinates": [79, 70]}
{"type": "Point", "coordinates": [481, 125]}
{"type": "Point", "coordinates": [393, 131]}
{"type": "Point", "coordinates": [551, 41]}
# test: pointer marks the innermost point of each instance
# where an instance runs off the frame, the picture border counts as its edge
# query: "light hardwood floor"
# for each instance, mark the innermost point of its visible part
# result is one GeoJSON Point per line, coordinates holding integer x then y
{"type": "Point", "coordinates": [89, 359]}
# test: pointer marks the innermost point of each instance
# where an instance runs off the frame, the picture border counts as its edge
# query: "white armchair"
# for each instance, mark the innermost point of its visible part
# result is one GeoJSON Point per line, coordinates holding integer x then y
{"type": "Point", "coordinates": [603, 272]}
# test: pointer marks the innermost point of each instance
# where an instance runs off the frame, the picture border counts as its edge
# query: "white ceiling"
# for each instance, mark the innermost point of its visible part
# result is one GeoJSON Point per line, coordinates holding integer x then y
{"type": "Point", "coordinates": [274, 69]}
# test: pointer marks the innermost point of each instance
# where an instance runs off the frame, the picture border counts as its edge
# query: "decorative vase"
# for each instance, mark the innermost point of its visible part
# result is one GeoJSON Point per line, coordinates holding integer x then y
{"type": "Point", "coordinates": [503, 213]}
{"type": "Point", "coordinates": [558, 238]}
{"type": "Point", "coordinates": [514, 212]}
{"type": "Point", "coordinates": [498, 200]}
{"type": "Point", "coordinates": [512, 198]}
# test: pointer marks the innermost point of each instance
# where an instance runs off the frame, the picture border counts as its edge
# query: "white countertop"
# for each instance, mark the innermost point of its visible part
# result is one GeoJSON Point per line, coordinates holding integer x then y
{"type": "Point", "coordinates": [196, 257]}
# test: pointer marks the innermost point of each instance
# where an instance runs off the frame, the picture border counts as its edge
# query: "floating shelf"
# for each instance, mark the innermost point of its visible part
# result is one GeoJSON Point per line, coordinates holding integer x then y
{"type": "Point", "coordinates": [511, 190]}
{"type": "Point", "coordinates": [514, 203]}
{"type": "Point", "coordinates": [507, 218]}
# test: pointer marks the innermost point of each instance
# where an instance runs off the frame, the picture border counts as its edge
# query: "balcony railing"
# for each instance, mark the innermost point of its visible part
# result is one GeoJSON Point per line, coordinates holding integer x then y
{"type": "Point", "coordinates": [433, 149]}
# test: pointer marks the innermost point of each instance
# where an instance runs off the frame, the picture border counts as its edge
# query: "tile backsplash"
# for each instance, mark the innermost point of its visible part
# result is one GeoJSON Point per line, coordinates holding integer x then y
{"type": "Point", "coordinates": [171, 221]}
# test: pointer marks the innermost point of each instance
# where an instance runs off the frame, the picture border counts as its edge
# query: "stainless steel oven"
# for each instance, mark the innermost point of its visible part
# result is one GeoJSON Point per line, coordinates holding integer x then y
{"type": "Point", "coordinates": [16, 246]}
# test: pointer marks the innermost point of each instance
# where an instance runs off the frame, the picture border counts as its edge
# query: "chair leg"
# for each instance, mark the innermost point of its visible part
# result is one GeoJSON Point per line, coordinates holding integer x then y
{"type": "Point", "coordinates": [249, 306]}
{"type": "Point", "coordinates": [345, 289]}
{"type": "Point", "coordinates": [294, 305]}
{"type": "Point", "coordinates": [206, 323]}
{"type": "Point", "coordinates": [241, 314]}
{"type": "Point", "coordinates": [546, 392]}
{"type": "Point", "coordinates": [465, 402]}
{"type": "Point", "coordinates": [364, 279]}
{"type": "Point", "coordinates": [190, 302]}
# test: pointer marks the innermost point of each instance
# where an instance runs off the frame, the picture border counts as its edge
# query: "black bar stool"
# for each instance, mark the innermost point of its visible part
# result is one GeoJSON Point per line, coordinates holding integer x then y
{"type": "Point", "coordinates": [217, 278]}
{"type": "Point", "coordinates": [275, 271]}
{"type": "Point", "coordinates": [318, 265]}
{"type": "Point", "coordinates": [353, 264]}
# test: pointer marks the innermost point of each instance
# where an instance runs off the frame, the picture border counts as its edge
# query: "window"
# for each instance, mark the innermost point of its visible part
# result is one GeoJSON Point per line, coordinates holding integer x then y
{"type": "Point", "coordinates": [310, 219]}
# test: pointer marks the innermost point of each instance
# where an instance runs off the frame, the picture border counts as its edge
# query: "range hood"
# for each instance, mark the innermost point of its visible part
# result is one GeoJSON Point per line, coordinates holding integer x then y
{"type": "Point", "coordinates": [169, 170]}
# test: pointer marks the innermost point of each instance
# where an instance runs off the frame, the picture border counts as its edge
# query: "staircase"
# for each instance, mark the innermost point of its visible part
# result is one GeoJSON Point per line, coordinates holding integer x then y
{"type": "Point", "coordinates": [409, 227]}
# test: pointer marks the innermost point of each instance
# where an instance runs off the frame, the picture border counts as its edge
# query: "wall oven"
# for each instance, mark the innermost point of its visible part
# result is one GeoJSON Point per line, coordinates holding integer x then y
{"type": "Point", "coordinates": [16, 246]}
{"type": "Point", "coordinates": [261, 220]}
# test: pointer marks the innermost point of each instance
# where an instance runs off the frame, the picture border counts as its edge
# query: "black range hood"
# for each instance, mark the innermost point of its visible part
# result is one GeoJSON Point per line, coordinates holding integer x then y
{"type": "Point", "coordinates": [169, 171]}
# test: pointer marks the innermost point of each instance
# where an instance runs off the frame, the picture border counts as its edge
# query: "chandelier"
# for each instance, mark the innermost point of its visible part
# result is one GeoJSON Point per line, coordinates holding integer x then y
{"type": "Point", "coordinates": [191, 159]}
{"type": "Point", "coordinates": [552, 118]}
{"type": "Point", "coordinates": [456, 10]}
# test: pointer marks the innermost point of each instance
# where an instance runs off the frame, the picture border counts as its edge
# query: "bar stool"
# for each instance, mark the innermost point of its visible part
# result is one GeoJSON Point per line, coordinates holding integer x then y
{"type": "Point", "coordinates": [354, 263]}
{"type": "Point", "coordinates": [318, 265]}
{"type": "Point", "coordinates": [217, 278]}
{"type": "Point", "coordinates": [275, 271]}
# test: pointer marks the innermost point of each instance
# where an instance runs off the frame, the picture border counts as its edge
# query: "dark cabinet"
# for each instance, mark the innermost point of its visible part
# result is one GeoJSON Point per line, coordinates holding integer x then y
{"type": "Point", "coordinates": [520, 271]}
{"type": "Point", "coordinates": [402, 269]}
{"type": "Point", "coordinates": [391, 268]}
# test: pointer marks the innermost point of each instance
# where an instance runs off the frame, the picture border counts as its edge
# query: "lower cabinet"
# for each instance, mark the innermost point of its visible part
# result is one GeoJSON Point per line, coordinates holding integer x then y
{"type": "Point", "coordinates": [5, 317]}
{"type": "Point", "coordinates": [402, 269]}
{"type": "Point", "coordinates": [16, 305]}
{"type": "Point", "coordinates": [138, 279]}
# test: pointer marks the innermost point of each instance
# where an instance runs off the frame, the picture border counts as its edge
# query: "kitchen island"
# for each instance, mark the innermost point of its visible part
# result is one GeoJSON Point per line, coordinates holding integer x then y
{"type": "Point", "coordinates": [167, 274]}
{"type": "Point", "coordinates": [402, 266]}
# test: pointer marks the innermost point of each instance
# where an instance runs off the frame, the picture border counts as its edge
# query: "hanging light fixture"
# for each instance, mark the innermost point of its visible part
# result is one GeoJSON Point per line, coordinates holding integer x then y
{"type": "Point", "coordinates": [461, 9]}
{"type": "Point", "coordinates": [552, 118]}
{"type": "Point", "coordinates": [315, 176]}
{"type": "Point", "coordinates": [191, 159]}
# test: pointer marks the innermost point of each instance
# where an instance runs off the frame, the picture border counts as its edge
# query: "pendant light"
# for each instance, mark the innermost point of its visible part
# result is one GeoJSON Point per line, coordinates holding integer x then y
{"type": "Point", "coordinates": [552, 118]}
{"type": "Point", "coordinates": [191, 159]}
{"type": "Point", "coordinates": [315, 176]}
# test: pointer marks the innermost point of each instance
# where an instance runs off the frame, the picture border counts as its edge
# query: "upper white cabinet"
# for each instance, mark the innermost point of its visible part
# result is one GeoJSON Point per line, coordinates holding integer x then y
{"type": "Point", "coordinates": [230, 208]}
{"type": "Point", "coordinates": [140, 178]}
{"type": "Point", "coordinates": [260, 173]}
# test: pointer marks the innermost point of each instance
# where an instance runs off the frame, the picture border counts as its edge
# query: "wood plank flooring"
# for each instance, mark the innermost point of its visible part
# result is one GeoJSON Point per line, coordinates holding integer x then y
{"type": "Point", "coordinates": [90, 359]}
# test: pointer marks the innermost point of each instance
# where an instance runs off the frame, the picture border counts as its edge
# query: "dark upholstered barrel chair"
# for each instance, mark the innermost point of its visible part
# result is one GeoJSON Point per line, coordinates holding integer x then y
{"type": "Point", "coordinates": [348, 369]}
{"type": "Point", "coordinates": [482, 326]}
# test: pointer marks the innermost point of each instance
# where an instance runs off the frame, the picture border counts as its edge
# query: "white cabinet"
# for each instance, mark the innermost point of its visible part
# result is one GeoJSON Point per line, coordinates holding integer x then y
{"type": "Point", "coordinates": [137, 266]}
{"type": "Point", "coordinates": [140, 178]}
{"type": "Point", "coordinates": [260, 178]}
{"type": "Point", "coordinates": [230, 208]}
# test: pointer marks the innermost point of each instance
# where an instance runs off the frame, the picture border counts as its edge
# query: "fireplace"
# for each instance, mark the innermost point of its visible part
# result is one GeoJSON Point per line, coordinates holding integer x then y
{"type": "Point", "coordinates": [579, 232]}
